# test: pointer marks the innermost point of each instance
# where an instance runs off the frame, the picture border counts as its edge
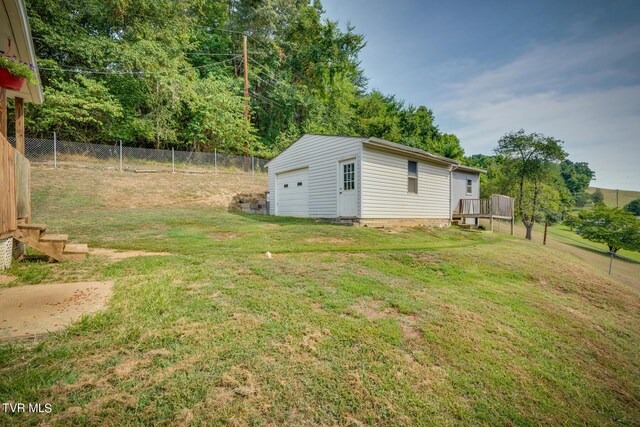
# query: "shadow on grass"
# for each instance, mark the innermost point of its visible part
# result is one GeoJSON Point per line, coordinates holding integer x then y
{"type": "Point", "coordinates": [282, 220]}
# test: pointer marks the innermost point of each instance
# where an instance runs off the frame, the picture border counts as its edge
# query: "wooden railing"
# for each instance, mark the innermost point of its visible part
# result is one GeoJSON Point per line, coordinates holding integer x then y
{"type": "Point", "coordinates": [497, 205]}
{"type": "Point", "coordinates": [15, 192]}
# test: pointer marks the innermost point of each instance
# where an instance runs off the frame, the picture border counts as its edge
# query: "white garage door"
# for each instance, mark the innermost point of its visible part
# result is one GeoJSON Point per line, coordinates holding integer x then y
{"type": "Point", "coordinates": [292, 194]}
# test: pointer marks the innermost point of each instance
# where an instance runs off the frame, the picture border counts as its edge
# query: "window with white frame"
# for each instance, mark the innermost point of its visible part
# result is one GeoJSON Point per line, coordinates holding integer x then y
{"type": "Point", "coordinates": [412, 177]}
{"type": "Point", "coordinates": [469, 187]}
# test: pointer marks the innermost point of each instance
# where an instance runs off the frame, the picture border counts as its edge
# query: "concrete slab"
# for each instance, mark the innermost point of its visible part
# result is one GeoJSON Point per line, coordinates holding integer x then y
{"type": "Point", "coordinates": [37, 309]}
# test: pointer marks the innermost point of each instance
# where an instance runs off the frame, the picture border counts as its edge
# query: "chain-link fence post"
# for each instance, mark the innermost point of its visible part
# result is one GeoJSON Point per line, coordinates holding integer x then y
{"type": "Point", "coordinates": [253, 166]}
{"type": "Point", "coordinates": [55, 150]}
{"type": "Point", "coordinates": [215, 160]}
{"type": "Point", "coordinates": [120, 156]}
{"type": "Point", "coordinates": [173, 161]}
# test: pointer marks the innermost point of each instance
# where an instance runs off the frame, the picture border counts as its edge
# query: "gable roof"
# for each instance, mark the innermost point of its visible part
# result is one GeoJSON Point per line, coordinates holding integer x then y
{"type": "Point", "coordinates": [394, 146]}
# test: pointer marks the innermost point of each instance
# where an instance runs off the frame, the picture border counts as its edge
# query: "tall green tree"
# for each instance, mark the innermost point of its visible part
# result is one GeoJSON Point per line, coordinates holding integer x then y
{"type": "Point", "coordinates": [530, 159]}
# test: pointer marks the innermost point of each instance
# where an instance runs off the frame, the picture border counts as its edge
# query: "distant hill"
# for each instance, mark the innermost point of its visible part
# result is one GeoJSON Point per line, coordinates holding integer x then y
{"type": "Point", "coordinates": [624, 196]}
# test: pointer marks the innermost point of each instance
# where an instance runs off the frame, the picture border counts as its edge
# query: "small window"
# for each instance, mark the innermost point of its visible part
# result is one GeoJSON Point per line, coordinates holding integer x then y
{"type": "Point", "coordinates": [469, 187]}
{"type": "Point", "coordinates": [412, 177]}
{"type": "Point", "coordinates": [299, 184]}
{"type": "Point", "coordinates": [286, 186]}
{"type": "Point", "coordinates": [349, 176]}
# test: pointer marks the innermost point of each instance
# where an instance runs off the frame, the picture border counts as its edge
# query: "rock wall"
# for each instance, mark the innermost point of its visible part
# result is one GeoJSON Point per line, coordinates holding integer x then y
{"type": "Point", "coordinates": [255, 203]}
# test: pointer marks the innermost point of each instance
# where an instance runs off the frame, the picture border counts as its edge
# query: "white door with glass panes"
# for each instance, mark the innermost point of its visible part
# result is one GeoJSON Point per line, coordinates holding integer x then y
{"type": "Point", "coordinates": [347, 196]}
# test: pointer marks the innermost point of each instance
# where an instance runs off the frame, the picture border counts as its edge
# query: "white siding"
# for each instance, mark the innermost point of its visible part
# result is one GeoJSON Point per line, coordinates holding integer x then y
{"type": "Point", "coordinates": [384, 187]}
{"type": "Point", "coordinates": [459, 187]}
{"type": "Point", "coordinates": [321, 154]}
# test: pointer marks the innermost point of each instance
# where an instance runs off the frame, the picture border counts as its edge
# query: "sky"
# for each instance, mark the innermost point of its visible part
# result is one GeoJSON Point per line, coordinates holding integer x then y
{"type": "Point", "coordinates": [568, 69]}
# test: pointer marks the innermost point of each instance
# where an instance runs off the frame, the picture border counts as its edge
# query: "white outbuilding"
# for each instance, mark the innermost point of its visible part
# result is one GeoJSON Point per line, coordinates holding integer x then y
{"type": "Point", "coordinates": [368, 180]}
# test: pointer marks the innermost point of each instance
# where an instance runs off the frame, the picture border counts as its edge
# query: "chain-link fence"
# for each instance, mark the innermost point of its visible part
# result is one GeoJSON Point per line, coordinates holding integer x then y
{"type": "Point", "coordinates": [115, 156]}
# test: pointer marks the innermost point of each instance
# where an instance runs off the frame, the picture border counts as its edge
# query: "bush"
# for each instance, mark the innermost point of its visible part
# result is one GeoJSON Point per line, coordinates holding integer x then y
{"type": "Point", "coordinates": [571, 221]}
{"type": "Point", "coordinates": [582, 199]}
{"type": "Point", "coordinates": [597, 197]}
{"type": "Point", "coordinates": [633, 207]}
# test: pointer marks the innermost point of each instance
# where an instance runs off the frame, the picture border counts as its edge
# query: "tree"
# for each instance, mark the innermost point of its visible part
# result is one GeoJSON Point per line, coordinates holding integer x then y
{"type": "Point", "coordinates": [571, 221]}
{"type": "Point", "coordinates": [577, 176]}
{"type": "Point", "coordinates": [447, 145]}
{"type": "Point", "coordinates": [614, 227]}
{"type": "Point", "coordinates": [529, 159]}
{"type": "Point", "coordinates": [633, 207]}
{"type": "Point", "coordinates": [582, 198]}
{"type": "Point", "coordinates": [597, 197]}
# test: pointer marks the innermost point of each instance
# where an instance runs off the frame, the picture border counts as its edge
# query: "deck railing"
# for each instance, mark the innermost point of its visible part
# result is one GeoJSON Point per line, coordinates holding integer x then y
{"type": "Point", "coordinates": [15, 193]}
{"type": "Point", "coordinates": [497, 205]}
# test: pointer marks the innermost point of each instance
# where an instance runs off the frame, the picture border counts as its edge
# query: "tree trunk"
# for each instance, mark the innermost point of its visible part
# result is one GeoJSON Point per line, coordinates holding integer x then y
{"type": "Point", "coordinates": [529, 228]}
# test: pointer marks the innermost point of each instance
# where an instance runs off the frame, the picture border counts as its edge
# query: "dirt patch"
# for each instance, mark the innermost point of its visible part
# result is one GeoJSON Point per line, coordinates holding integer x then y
{"type": "Point", "coordinates": [372, 309]}
{"type": "Point", "coordinates": [38, 309]}
{"type": "Point", "coordinates": [5, 280]}
{"type": "Point", "coordinates": [115, 255]}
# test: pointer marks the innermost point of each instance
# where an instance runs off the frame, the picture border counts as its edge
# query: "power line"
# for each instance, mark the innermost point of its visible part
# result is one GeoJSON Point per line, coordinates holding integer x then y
{"type": "Point", "coordinates": [136, 73]}
{"type": "Point", "coordinates": [271, 101]}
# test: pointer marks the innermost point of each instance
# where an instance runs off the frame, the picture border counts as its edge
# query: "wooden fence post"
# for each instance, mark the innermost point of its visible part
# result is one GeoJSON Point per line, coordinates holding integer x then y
{"type": "Point", "coordinates": [3, 113]}
{"type": "Point", "coordinates": [19, 119]}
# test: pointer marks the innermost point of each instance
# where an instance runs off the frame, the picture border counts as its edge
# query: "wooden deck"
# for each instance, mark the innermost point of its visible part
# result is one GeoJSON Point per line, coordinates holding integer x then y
{"type": "Point", "coordinates": [495, 207]}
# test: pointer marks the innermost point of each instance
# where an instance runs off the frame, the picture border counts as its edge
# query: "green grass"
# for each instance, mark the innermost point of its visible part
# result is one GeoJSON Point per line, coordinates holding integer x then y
{"type": "Point", "coordinates": [624, 196]}
{"type": "Point", "coordinates": [342, 326]}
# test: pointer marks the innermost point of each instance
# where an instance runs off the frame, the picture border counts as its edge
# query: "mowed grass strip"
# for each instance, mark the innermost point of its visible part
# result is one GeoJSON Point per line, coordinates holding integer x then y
{"type": "Point", "coordinates": [342, 326]}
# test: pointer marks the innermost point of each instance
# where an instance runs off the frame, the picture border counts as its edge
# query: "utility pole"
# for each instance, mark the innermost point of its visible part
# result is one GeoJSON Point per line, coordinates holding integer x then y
{"type": "Point", "coordinates": [617, 198]}
{"type": "Point", "coordinates": [246, 104]}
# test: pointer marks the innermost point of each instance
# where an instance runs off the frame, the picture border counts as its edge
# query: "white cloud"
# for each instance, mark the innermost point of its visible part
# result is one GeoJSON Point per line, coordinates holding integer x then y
{"type": "Point", "coordinates": [577, 91]}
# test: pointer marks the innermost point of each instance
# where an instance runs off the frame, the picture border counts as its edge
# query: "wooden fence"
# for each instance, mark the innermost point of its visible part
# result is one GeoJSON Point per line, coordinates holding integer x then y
{"type": "Point", "coordinates": [15, 192]}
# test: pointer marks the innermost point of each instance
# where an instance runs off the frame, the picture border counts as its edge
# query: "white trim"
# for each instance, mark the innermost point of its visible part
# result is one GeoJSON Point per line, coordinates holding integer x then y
{"type": "Point", "coordinates": [339, 183]}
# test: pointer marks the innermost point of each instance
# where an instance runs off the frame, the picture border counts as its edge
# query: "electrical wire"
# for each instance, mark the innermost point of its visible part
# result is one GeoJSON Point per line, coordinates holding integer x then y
{"type": "Point", "coordinates": [137, 73]}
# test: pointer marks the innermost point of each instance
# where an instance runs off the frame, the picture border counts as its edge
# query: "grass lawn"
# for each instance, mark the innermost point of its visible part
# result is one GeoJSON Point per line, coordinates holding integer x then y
{"type": "Point", "coordinates": [342, 326]}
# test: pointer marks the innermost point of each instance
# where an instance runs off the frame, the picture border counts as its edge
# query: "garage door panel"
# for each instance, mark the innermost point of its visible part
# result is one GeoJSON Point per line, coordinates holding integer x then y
{"type": "Point", "coordinates": [292, 194]}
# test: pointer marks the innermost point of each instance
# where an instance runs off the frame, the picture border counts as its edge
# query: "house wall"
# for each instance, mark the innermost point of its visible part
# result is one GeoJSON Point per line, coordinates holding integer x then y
{"type": "Point", "coordinates": [321, 154]}
{"type": "Point", "coordinates": [459, 187]}
{"type": "Point", "coordinates": [384, 187]}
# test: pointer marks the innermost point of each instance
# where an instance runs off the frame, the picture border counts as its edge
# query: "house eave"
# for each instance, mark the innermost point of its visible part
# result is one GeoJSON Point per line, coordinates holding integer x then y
{"type": "Point", "coordinates": [405, 149]}
{"type": "Point", "coordinates": [13, 16]}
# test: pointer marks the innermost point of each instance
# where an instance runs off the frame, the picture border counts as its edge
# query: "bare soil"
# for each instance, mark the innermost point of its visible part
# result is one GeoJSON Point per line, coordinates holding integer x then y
{"type": "Point", "coordinates": [38, 309]}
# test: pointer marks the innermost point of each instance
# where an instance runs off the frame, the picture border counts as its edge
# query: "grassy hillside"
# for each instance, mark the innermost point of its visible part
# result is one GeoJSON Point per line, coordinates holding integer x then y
{"type": "Point", "coordinates": [342, 326]}
{"type": "Point", "coordinates": [624, 196]}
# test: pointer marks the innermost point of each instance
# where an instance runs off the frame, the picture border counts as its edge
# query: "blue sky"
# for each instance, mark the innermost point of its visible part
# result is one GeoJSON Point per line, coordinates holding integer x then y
{"type": "Point", "coordinates": [568, 69]}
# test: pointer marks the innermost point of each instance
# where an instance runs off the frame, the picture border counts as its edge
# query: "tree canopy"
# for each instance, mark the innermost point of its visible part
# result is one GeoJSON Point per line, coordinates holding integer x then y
{"type": "Point", "coordinates": [614, 227]}
{"type": "Point", "coordinates": [529, 171]}
{"type": "Point", "coordinates": [169, 73]}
